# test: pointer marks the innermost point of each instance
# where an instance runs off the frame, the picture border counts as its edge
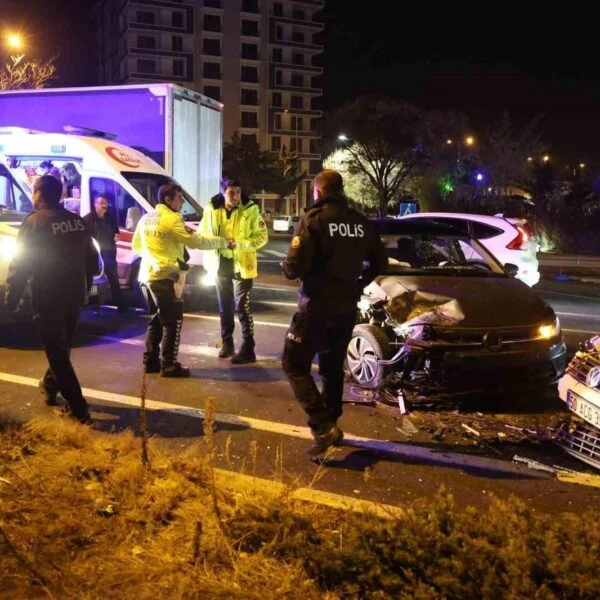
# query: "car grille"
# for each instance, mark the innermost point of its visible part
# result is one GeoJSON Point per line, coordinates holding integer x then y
{"type": "Point", "coordinates": [474, 337]}
{"type": "Point", "coordinates": [581, 365]}
{"type": "Point", "coordinates": [580, 439]}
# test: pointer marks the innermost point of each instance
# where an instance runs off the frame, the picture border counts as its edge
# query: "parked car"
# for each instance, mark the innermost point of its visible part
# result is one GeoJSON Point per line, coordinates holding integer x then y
{"type": "Point", "coordinates": [287, 223]}
{"type": "Point", "coordinates": [447, 318]}
{"type": "Point", "coordinates": [509, 240]}
{"type": "Point", "coordinates": [580, 390]}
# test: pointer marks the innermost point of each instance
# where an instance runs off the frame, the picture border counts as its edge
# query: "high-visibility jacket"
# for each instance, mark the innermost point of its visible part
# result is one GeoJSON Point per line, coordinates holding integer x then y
{"type": "Point", "coordinates": [249, 232]}
{"type": "Point", "coordinates": [160, 239]}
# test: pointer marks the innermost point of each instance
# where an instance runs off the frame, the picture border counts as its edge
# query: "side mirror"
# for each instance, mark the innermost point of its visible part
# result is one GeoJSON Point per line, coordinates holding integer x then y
{"type": "Point", "coordinates": [134, 214]}
{"type": "Point", "coordinates": [511, 269]}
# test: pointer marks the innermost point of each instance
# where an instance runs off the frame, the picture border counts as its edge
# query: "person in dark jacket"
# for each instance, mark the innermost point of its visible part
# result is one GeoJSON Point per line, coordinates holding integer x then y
{"type": "Point", "coordinates": [335, 253]}
{"type": "Point", "coordinates": [57, 257]}
{"type": "Point", "coordinates": [105, 231]}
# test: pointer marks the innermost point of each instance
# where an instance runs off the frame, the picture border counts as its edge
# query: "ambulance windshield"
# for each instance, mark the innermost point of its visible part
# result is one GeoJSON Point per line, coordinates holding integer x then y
{"type": "Point", "coordinates": [147, 185]}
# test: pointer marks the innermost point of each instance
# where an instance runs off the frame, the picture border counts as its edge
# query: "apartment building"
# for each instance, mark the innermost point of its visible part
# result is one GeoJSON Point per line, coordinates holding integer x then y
{"type": "Point", "coordinates": [258, 57]}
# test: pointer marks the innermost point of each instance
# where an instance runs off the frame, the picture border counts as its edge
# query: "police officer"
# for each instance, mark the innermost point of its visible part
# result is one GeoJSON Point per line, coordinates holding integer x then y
{"type": "Point", "coordinates": [232, 214]}
{"type": "Point", "coordinates": [335, 253]}
{"type": "Point", "coordinates": [56, 254]}
{"type": "Point", "coordinates": [160, 239]}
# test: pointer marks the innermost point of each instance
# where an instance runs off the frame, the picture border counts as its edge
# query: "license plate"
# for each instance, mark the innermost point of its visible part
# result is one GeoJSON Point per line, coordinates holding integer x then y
{"type": "Point", "coordinates": [584, 409]}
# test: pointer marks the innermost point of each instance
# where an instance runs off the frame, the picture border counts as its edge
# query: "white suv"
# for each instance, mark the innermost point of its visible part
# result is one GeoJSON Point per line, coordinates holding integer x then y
{"type": "Point", "coordinates": [286, 223]}
{"type": "Point", "coordinates": [509, 240]}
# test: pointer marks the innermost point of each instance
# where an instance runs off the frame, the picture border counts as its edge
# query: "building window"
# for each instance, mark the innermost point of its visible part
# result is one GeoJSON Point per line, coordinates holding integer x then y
{"type": "Point", "coordinates": [293, 144]}
{"type": "Point", "coordinates": [177, 43]}
{"type": "Point", "coordinates": [296, 123]}
{"type": "Point", "coordinates": [213, 91]}
{"type": "Point", "coordinates": [249, 97]}
{"type": "Point", "coordinates": [298, 36]}
{"type": "Point", "coordinates": [278, 9]}
{"type": "Point", "coordinates": [276, 99]}
{"type": "Point", "coordinates": [146, 41]}
{"type": "Point", "coordinates": [212, 23]}
{"type": "Point", "coordinates": [297, 58]}
{"type": "Point", "coordinates": [250, 6]}
{"type": "Point", "coordinates": [275, 143]}
{"type": "Point", "coordinates": [211, 70]}
{"type": "Point", "coordinates": [146, 66]}
{"type": "Point", "coordinates": [249, 74]}
{"type": "Point", "coordinates": [249, 119]}
{"type": "Point", "coordinates": [250, 28]}
{"type": "Point", "coordinates": [277, 121]}
{"type": "Point", "coordinates": [314, 146]}
{"type": "Point", "coordinates": [278, 77]}
{"type": "Point", "coordinates": [297, 102]}
{"type": "Point", "coordinates": [315, 167]}
{"type": "Point", "coordinates": [250, 51]}
{"type": "Point", "coordinates": [143, 16]}
{"type": "Point", "coordinates": [297, 80]}
{"type": "Point", "coordinates": [178, 68]}
{"type": "Point", "coordinates": [279, 32]}
{"type": "Point", "coordinates": [211, 46]}
{"type": "Point", "coordinates": [248, 139]}
{"type": "Point", "coordinates": [298, 14]}
{"type": "Point", "coordinates": [277, 55]}
{"type": "Point", "coordinates": [177, 19]}
{"type": "Point", "coordinates": [212, 3]}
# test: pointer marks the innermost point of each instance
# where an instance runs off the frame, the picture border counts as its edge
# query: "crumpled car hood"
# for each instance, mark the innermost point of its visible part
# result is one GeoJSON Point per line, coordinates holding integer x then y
{"type": "Point", "coordinates": [470, 301]}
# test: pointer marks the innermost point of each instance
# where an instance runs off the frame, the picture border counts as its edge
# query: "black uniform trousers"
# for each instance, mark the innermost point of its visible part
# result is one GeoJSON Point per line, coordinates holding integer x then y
{"type": "Point", "coordinates": [166, 322]}
{"type": "Point", "coordinates": [327, 336]}
{"type": "Point", "coordinates": [233, 294]}
{"type": "Point", "coordinates": [110, 269]}
{"type": "Point", "coordinates": [56, 328]}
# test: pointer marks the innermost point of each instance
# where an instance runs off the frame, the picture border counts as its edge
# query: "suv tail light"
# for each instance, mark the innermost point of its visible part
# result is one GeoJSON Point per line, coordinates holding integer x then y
{"type": "Point", "coordinates": [521, 242]}
{"type": "Point", "coordinates": [528, 229]}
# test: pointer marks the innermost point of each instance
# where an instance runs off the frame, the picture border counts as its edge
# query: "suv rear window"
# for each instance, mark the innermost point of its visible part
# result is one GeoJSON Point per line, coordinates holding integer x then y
{"type": "Point", "coordinates": [482, 231]}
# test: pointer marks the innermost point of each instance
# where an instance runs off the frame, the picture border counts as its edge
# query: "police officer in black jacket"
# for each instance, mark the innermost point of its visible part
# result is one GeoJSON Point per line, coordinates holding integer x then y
{"type": "Point", "coordinates": [335, 253]}
{"type": "Point", "coordinates": [56, 255]}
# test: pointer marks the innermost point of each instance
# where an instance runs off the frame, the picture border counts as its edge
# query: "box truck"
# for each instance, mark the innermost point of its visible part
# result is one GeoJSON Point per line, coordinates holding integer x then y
{"type": "Point", "coordinates": [92, 161]}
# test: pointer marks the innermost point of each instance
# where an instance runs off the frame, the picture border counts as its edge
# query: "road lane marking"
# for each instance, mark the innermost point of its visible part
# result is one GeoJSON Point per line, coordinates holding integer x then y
{"type": "Point", "coordinates": [256, 322]}
{"type": "Point", "coordinates": [410, 452]}
{"type": "Point", "coordinates": [276, 288]}
{"type": "Point", "coordinates": [275, 253]}
{"type": "Point", "coordinates": [567, 294]}
{"type": "Point", "coordinates": [586, 331]}
{"type": "Point", "coordinates": [570, 314]}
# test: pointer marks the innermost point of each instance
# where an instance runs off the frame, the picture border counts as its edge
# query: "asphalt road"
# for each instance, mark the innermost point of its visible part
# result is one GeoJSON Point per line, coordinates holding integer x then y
{"type": "Point", "coordinates": [388, 458]}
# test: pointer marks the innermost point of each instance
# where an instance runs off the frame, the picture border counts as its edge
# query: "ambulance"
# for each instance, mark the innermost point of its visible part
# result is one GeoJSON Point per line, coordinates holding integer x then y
{"type": "Point", "coordinates": [90, 164]}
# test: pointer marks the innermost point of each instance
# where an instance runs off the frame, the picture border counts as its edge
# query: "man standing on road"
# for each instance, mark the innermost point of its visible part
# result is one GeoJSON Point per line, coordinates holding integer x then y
{"type": "Point", "coordinates": [231, 214]}
{"type": "Point", "coordinates": [105, 231]}
{"type": "Point", "coordinates": [56, 254]}
{"type": "Point", "coordinates": [160, 239]}
{"type": "Point", "coordinates": [335, 253]}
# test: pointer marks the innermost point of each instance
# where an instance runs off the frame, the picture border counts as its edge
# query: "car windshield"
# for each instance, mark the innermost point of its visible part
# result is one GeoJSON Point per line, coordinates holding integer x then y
{"type": "Point", "coordinates": [147, 184]}
{"type": "Point", "coordinates": [439, 255]}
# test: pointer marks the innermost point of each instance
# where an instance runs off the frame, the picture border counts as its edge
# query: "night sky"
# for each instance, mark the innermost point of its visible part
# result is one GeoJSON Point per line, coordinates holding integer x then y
{"type": "Point", "coordinates": [541, 64]}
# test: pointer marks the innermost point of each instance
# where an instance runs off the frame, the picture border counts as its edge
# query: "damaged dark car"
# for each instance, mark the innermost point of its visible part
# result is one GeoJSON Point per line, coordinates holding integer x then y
{"type": "Point", "coordinates": [448, 319]}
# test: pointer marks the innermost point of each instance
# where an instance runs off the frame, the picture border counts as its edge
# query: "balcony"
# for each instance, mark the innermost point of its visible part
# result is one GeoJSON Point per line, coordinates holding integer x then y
{"type": "Point", "coordinates": [313, 70]}
{"type": "Point", "coordinates": [314, 26]}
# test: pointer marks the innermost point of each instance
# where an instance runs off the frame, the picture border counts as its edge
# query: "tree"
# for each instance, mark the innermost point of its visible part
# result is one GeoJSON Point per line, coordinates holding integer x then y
{"type": "Point", "coordinates": [258, 170]}
{"type": "Point", "coordinates": [504, 155]}
{"type": "Point", "coordinates": [20, 72]}
{"type": "Point", "coordinates": [384, 142]}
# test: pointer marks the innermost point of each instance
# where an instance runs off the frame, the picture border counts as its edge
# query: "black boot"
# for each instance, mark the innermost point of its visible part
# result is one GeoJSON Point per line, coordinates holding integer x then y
{"type": "Point", "coordinates": [152, 366]}
{"type": "Point", "coordinates": [176, 370]}
{"type": "Point", "coordinates": [227, 349]}
{"type": "Point", "coordinates": [245, 355]}
{"type": "Point", "coordinates": [323, 442]}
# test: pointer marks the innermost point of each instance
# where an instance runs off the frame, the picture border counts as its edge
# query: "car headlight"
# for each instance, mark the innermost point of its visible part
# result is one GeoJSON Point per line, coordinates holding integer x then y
{"type": "Point", "coordinates": [8, 248]}
{"type": "Point", "coordinates": [550, 331]}
{"type": "Point", "coordinates": [208, 279]}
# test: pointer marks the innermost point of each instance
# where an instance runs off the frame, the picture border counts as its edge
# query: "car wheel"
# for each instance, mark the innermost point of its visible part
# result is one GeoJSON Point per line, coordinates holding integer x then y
{"type": "Point", "coordinates": [368, 345]}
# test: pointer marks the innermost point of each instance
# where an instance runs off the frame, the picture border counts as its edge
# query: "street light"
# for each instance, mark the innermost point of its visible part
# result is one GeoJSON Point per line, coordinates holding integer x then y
{"type": "Point", "coordinates": [546, 158]}
{"type": "Point", "coordinates": [343, 137]}
{"type": "Point", "coordinates": [581, 165]}
{"type": "Point", "coordinates": [14, 41]}
{"type": "Point", "coordinates": [470, 140]}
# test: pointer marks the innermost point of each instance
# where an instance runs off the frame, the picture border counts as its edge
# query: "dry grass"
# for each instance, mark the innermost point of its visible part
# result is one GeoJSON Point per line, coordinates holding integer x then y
{"type": "Point", "coordinates": [82, 517]}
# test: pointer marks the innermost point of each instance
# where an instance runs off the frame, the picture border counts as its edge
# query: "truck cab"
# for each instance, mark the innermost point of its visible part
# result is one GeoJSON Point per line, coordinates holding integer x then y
{"type": "Point", "coordinates": [89, 166]}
